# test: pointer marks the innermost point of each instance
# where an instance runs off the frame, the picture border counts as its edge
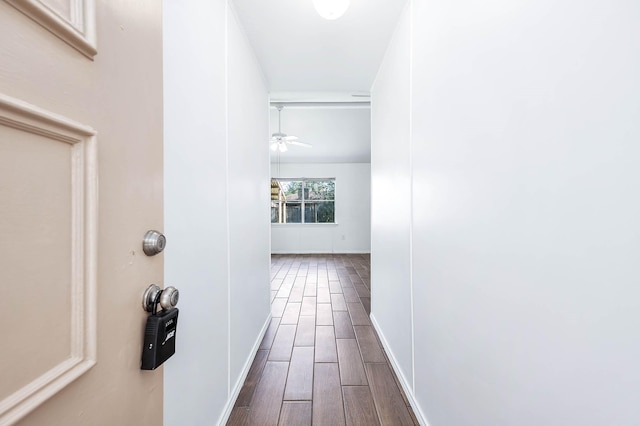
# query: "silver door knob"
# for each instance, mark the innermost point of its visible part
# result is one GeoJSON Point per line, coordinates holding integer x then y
{"type": "Point", "coordinates": [153, 243]}
{"type": "Point", "coordinates": [154, 296]}
{"type": "Point", "coordinates": [169, 298]}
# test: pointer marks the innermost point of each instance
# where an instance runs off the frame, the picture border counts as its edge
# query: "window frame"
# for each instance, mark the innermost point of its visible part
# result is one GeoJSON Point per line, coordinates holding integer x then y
{"type": "Point", "coordinates": [304, 201]}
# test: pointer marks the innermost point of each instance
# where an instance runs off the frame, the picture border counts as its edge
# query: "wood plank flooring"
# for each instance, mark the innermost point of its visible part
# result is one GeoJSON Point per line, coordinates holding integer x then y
{"type": "Point", "coordinates": [320, 361]}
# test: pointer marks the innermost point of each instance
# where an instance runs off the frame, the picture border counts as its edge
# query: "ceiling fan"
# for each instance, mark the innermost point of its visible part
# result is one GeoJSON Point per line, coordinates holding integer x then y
{"type": "Point", "coordinates": [280, 140]}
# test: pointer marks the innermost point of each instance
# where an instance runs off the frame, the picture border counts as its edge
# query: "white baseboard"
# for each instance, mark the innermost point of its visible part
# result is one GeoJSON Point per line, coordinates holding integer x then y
{"type": "Point", "coordinates": [408, 390]}
{"type": "Point", "coordinates": [245, 371]}
{"type": "Point", "coordinates": [320, 252]}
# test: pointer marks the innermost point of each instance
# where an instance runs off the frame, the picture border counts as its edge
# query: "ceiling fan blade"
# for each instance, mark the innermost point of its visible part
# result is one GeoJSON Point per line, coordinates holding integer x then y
{"type": "Point", "coordinates": [298, 143]}
{"type": "Point", "coordinates": [290, 138]}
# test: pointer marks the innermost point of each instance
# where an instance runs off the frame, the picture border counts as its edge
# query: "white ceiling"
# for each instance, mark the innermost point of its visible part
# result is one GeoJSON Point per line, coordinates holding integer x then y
{"type": "Point", "coordinates": [306, 58]}
{"type": "Point", "coordinates": [301, 52]}
{"type": "Point", "coordinates": [338, 135]}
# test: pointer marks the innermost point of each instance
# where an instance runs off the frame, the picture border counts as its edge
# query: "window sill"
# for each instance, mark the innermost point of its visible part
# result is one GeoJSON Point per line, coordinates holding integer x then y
{"type": "Point", "coordinates": [292, 225]}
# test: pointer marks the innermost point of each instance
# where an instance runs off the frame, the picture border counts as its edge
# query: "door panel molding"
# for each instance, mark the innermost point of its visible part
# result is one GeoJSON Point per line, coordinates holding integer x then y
{"type": "Point", "coordinates": [22, 116]}
{"type": "Point", "coordinates": [78, 29]}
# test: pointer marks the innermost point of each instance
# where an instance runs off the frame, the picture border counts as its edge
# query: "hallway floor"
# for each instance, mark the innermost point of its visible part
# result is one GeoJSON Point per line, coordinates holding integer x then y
{"type": "Point", "coordinates": [320, 361]}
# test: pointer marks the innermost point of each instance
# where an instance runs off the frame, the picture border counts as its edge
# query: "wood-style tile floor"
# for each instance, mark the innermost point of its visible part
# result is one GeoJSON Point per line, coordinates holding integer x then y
{"type": "Point", "coordinates": [320, 361]}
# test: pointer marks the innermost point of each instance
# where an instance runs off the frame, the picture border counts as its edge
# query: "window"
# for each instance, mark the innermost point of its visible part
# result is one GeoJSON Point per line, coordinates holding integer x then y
{"type": "Point", "coordinates": [303, 200]}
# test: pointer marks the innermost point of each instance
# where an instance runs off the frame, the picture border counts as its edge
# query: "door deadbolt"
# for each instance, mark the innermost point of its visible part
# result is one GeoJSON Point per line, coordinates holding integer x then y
{"type": "Point", "coordinates": [154, 296]}
{"type": "Point", "coordinates": [153, 243]}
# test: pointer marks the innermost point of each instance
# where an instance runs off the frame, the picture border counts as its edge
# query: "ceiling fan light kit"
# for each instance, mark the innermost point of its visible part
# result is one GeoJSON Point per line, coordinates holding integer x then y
{"type": "Point", "coordinates": [331, 9]}
{"type": "Point", "coordinates": [279, 146]}
{"type": "Point", "coordinates": [280, 140]}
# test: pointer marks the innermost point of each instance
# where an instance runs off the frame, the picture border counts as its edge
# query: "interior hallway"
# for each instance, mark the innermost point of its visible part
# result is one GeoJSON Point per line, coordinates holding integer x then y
{"type": "Point", "coordinates": [320, 361]}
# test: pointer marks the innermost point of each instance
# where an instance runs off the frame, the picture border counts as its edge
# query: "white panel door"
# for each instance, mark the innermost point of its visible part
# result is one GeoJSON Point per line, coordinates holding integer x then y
{"type": "Point", "coordinates": [80, 184]}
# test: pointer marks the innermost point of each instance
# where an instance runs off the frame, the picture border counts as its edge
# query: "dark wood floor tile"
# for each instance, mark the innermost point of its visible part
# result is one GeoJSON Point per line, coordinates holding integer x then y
{"type": "Point", "coordinates": [338, 303]}
{"type": "Point", "coordinates": [296, 413]}
{"type": "Point", "coordinates": [369, 347]}
{"type": "Point", "coordinates": [350, 361]}
{"type": "Point", "coordinates": [277, 307]}
{"type": "Point", "coordinates": [366, 303]}
{"type": "Point", "coordinates": [342, 325]}
{"type": "Point", "coordinates": [324, 316]}
{"type": "Point", "coordinates": [284, 291]}
{"type": "Point", "coordinates": [310, 289]}
{"type": "Point", "coordinates": [323, 295]}
{"type": "Point", "coordinates": [296, 294]}
{"type": "Point", "coordinates": [289, 280]}
{"type": "Point", "coordinates": [276, 284]}
{"type": "Point", "coordinates": [350, 295]}
{"type": "Point", "coordinates": [362, 290]}
{"type": "Point", "coordinates": [291, 313]}
{"type": "Point", "coordinates": [283, 343]}
{"type": "Point", "coordinates": [306, 332]}
{"type": "Point", "coordinates": [359, 407]}
{"type": "Point", "coordinates": [253, 377]}
{"type": "Point", "coordinates": [325, 344]}
{"type": "Point", "coordinates": [345, 282]}
{"type": "Point", "coordinates": [300, 379]}
{"type": "Point", "coordinates": [358, 314]}
{"type": "Point", "coordinates": [267, 340]}
{"type": "Point", "coordinates": [238, 416]}
{"type": "Point", "coordinates": [267, 399]}
{"type": "Point", "coordinates": [389, 403]}
{"type": "Point", "coordinates": [308, 306]}
{"type": "Point", "coordinates": [328, 408]}
{"type": "Point", "coordinates": [319, 289]}
{"type": "Point", "coordinates": [335, 287]}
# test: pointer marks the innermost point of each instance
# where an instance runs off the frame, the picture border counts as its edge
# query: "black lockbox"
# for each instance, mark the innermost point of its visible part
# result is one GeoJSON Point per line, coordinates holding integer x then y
{"type": "Point", "coordinates": [159, 338]}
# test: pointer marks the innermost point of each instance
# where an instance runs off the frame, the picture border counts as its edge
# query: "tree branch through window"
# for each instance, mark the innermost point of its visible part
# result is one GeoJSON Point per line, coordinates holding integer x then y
{"type": "Point", "coordinates": [303, 200]}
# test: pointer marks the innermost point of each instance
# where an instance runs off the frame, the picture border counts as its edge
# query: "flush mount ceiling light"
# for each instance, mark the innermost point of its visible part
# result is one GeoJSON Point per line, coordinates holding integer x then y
{"type": "Point", "coordinates": [331, 9]}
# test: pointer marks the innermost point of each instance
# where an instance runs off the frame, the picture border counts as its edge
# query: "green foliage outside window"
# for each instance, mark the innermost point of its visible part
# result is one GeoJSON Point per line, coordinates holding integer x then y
{"type": "Point", "coordinates": [291, 197]}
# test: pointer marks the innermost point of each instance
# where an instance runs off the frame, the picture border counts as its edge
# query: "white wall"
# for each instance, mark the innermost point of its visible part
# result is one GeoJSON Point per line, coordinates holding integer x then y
{"type": "Point", "coordinates": [391, 199]}
{"type": "Point", "coordinates": [248, 199]}
{"type": "Point", "coordinates": [212, 88]}
{"type": "Point", "coordinates": [525, 232]}
{"type": "Point", "coordinates": [351, 233]}
{"type": "Point", "coordinates": [339, 134]}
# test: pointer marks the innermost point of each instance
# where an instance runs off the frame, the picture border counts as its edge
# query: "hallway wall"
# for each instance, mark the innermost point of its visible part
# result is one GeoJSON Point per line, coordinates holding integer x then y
{"type": "Point", "coordinates": [391, 199]}
{"type": "Point", "coordinates": [216, 207]}
{"type": "Point", "coordinates": [353, 212]}
{"type": "Point", "coordinates": [523, 238]}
